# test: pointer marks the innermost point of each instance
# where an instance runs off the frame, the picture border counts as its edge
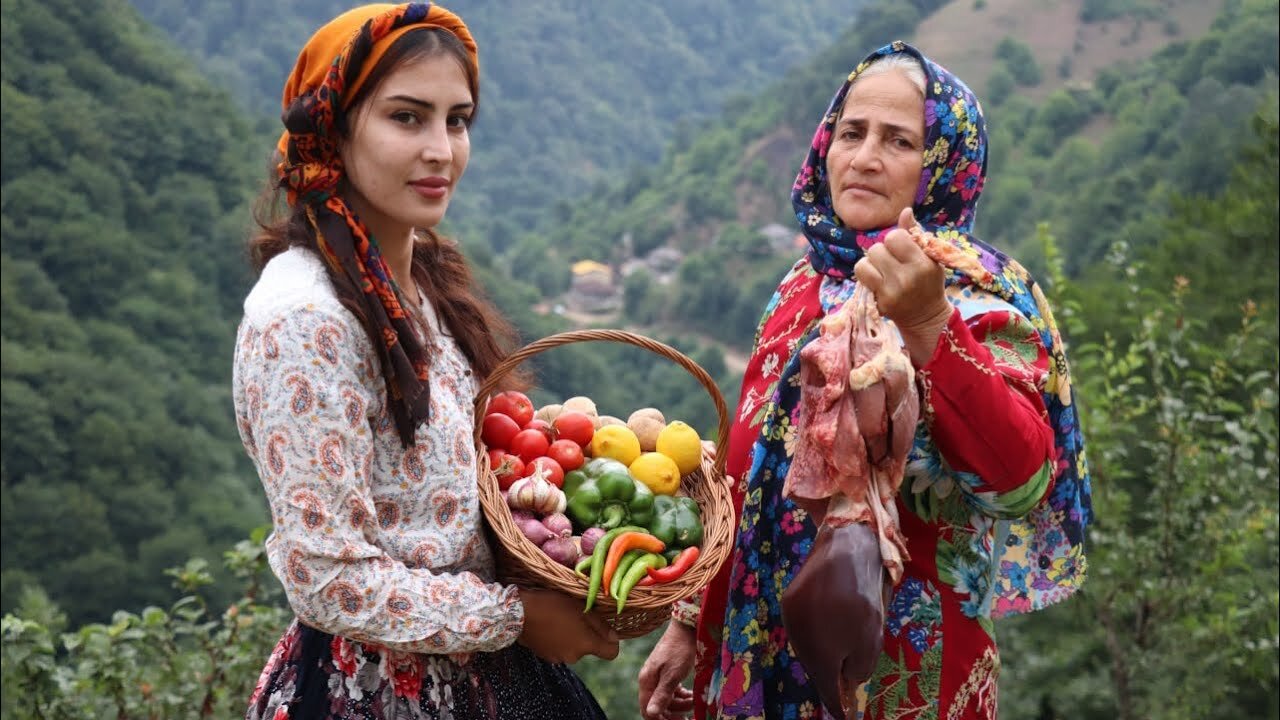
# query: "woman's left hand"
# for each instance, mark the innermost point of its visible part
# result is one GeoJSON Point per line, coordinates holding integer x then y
{"type": "Point", "coordinates": [909, 288]}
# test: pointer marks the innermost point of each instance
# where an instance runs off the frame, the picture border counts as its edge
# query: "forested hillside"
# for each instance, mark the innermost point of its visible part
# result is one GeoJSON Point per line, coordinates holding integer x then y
{"type": "Point", "coordinates": [1101, 159]}
{"type": "Point", "coordinates": [548, 129]}
{"type": "Point", "coordinates": [1141, 189]}
{"type": "Point", "coordinates": [124, 179]}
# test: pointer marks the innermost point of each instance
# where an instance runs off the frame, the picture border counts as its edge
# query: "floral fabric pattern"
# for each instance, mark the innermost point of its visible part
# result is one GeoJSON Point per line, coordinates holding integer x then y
{"type": "Point", "coordinates": [379, 547]}
{"type": "Point", "coordinates": [317, 676]}
{"type": "Point", "coordinates": [950, 182]}
{"type": "Point", "coordinates": [953, 175]}
{"type": "Point", "coordinates": [950, 519]}
{"type": "Point", "coordinates": [958, 514]}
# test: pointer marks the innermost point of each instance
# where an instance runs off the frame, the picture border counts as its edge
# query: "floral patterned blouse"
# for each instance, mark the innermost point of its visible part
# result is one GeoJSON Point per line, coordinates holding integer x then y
{"type": "Point", "coordinates": [371, 541]}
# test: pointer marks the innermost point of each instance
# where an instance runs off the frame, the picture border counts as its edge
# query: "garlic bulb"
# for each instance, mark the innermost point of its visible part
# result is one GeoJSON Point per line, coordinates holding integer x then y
{"type": "Point", "coordinates": [536, 494]}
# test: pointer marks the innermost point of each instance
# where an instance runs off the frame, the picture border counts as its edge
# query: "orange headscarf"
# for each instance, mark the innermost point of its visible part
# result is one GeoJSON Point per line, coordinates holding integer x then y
{"type": "Point", "coordinates": [329, 72]}
{"type": "Point", "coordinates": [335, 37]}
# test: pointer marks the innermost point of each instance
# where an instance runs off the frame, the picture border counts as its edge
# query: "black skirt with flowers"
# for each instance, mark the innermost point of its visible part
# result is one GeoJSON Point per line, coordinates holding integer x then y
{"type": "Point", "coordinates": [313, 675]}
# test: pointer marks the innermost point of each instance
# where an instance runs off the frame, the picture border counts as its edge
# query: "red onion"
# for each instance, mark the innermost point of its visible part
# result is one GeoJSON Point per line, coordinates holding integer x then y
{"type": "Point", "coordinates": [531, 528]}
{"type": "Point", "coordinates": [562, 549]}
{"type": "Point", "coordinates": [559, 524]}
{"type": "Point", "coordinates": [590, 537]}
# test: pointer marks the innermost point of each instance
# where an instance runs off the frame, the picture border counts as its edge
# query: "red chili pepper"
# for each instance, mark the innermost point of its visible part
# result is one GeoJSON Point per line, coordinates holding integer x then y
{"type": "Point", "coordinates": [677, 567]}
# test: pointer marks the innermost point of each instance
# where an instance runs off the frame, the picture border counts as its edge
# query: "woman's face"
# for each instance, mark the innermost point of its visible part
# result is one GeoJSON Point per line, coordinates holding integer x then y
{"type": "Point", "coordinates": [409, 146]}
{"type": "Point", "coordinates": [877, 151]}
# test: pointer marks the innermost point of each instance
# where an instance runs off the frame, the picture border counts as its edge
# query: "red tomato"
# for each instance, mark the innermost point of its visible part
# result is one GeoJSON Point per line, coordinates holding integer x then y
{"type": "Point", "coordinates": [554, 473]}
{"type": "Point", "coordinates": [506, 467]}
{"type": "Point", "coordinates": [529, 444]}
{"type": "Point", "coordinates": [566, 453]}
{"type": "Point", "coordinates": [575, 426]}
{"type": "Point", "coordinates": [498, 430]}
{"type": "Point", "coordinates": [542, 426]}
{"type": "Point", "coordinates": [514, 404]}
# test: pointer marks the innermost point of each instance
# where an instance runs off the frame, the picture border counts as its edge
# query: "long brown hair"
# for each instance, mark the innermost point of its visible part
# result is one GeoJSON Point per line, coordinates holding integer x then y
{"type": "Point", "coordinates": [439, 267]}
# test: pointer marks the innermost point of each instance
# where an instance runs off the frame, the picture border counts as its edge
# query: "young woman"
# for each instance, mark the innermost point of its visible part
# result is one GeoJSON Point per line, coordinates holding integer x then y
{"type": "Point", "coordinates": [361, 348]}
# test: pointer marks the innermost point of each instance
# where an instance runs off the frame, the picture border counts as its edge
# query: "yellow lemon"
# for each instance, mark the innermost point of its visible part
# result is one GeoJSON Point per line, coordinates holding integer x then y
{"type": "Point", "coordinates": [658, 472]}
{"type": "Point", "coordinates": [681, 443]}
{"type": "Point", "coordinates": [616, 442]}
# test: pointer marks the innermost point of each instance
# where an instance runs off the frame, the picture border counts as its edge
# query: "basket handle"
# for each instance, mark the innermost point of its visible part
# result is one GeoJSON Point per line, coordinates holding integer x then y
{"type": "Point", "coordinates": [620, 336]}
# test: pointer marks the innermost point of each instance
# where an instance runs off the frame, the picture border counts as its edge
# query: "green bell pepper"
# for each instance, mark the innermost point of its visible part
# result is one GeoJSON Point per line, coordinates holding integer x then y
{"type": "Point", "coordinates": [603, 494]}
{"type": "Point", "coordinates": [676, 521]}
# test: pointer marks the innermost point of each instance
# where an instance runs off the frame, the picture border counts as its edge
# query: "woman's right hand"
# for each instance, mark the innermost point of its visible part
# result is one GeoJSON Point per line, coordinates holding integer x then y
{"type": "Point", "coordinates": [662, 696]}
{"type": "Point", "coordinates": [556, 629]}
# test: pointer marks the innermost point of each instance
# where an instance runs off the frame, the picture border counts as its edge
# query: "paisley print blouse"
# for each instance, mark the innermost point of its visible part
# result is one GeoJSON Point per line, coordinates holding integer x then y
{"type": "Point", "coordinates": [371, 541]}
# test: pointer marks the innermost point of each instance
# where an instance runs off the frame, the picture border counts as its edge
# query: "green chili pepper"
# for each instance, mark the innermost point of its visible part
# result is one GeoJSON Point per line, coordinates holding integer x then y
{"type": "Point", "coordinates": [615, 583]}
{"type": "Point", "coordinates": [638, 570]}
{"type": "Point", "coordinates": [583, 564]}
{"type": "Point", "coordinates": [598, 555]}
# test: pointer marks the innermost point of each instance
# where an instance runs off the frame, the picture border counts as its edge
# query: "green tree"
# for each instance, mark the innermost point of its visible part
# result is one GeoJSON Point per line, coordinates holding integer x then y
{"type": "Point", "coordinates": [1182, 438]}
{"type": "Point", "coordinates": [1000, 85]}
{"type": "Point", "coordinates": [1019, 60]}
{"type": "Point", "coordinates": [116, 336]}
{"type": "Point", "coordinates": [1063, 113]}
{"type": "Point", "coordinates": [536, 262]}
{"type": "Point", "coordinates": [642, 300]}
{"type": "Point", "coordinates": [190, 659]}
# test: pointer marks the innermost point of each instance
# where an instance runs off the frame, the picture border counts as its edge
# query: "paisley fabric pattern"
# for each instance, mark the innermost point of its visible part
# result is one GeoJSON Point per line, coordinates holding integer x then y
{"type": "Point", "coordinates": [371, 540]}
{"type": "Point", "coordinates": [379, 547]}
{"type": "Point", "coordinates": [979, 548]}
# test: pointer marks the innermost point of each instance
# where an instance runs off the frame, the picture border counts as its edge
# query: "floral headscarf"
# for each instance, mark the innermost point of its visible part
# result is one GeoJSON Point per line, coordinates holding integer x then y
{"type": "Point", "coordinates": [328, 74]}
{"type": "Point", "coordinates": [955, 168]}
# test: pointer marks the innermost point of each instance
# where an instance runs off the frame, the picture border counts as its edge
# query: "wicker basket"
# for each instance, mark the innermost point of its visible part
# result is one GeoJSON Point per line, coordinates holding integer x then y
{"type": "Point", "coordinates": [522, 563]}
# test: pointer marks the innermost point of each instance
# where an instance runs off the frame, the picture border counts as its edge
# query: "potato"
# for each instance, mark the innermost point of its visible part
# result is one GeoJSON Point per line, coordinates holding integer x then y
{"type": "Point", "coordinates": [580, 404]}
{"type": "Point", "coordinates": [549, 413]}
{"type": "Point", "coordinates": [646, 429]}
{"type": "Point", "coordinates": [602, 420]}
{"type": "Point", "coordinates": [654, 413]}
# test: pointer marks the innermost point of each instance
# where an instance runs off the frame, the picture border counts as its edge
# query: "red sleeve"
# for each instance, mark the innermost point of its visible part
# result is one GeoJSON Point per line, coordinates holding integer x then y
{"type": "Point", "coordinates": [983, 402]}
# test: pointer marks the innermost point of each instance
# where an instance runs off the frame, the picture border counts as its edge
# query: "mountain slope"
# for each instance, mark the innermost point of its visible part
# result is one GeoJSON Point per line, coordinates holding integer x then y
{"type": "Point", "coordinates": [123, 187]}
{"type": "Point", "coordinates": [1066, 46]}
{"type": "Point", "coordinates": [1097, 157]}
{"type": "Point", "coordinates": [573, 92]}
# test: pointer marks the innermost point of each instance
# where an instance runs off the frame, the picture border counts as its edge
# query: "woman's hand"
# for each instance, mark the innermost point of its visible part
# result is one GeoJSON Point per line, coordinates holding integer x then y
{"type": "Point", "coordinates": [556, 629]}
{"type": "Point", "coordinates": [909, 288]}
{"type": "Point", "coordinates": [662, 697]}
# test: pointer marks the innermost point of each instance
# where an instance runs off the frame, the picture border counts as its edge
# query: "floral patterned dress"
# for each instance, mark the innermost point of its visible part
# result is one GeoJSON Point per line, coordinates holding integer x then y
{"type": "Point", "coordinates": [995, 499]}
{"type": "Point", "coordinates": [985, 372]}
{"type": "Point", "coordinates": [380, 549]}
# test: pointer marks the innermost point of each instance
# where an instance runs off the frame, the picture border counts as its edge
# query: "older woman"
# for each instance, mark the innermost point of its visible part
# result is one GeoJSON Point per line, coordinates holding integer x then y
{"type": "Point", "coordinates": [996, 496]}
